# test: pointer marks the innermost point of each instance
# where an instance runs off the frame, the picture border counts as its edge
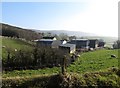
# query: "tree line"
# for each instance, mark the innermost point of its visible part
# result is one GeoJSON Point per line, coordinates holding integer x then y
{"type": "Point", "coordinates": [12, 31]}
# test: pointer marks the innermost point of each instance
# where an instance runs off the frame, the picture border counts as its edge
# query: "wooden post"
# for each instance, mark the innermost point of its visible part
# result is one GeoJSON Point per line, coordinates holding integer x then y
{"type": "Point", "coordinates": [8, 58]}
{"type": "Point", "coordinates": [64, 65]}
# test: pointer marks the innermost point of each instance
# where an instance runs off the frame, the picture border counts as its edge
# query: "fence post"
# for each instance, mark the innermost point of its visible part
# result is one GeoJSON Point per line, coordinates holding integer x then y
{"type": "Point", "coordinates": [64, 65]}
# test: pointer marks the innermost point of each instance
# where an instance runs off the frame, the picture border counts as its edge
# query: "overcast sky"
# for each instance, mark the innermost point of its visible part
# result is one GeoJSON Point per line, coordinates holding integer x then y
{"type": "Point", "coordinates": [94, 16]}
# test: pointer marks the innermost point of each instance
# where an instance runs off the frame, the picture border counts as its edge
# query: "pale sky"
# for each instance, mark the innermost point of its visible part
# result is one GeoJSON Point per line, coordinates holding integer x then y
{"type": "Point", "coordinates": [94, 16]}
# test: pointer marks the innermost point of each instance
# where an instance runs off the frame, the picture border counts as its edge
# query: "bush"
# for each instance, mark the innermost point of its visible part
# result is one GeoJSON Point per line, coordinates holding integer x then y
{"type": "Point", "coordinates": [32, 59]}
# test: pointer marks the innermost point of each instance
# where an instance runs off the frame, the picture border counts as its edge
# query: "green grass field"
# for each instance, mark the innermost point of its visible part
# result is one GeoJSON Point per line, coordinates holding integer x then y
{"type": "Point", "coordinates": [13, 44]}
{"type": "Point", "coordinates": [101, 79]}
{"type": "Point", "coordinates": [88, 62]}
{"type": "Point", "coordinates": [94, 63]}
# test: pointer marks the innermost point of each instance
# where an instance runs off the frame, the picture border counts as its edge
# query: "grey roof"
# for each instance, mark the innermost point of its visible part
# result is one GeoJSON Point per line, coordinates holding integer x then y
{"type": "Point", "coordinates": [93, 39]}
{"type": "Point", "coordinates": [48, 37]}
{"type": "Point", "coordinates": [46, 40]}
{"type": "Point", "coordinates": [56, 43]}
{"type": "Point", "coordinates": [80, 39]}
{"type": "Point", "coordinates": [67, 45]}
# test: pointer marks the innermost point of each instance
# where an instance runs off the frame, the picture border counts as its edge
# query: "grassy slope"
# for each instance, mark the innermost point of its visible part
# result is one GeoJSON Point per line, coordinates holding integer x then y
{"type": "Point", "coordinates": [88, 62]}
{"type": "Point", "coordinates": [13, 44]}
{"type": "Point", "coordinates": [97, 60]}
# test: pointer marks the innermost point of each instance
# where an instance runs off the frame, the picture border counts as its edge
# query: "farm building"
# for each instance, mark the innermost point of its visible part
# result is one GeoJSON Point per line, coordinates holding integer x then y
{"type": "Point", "coordinates": [80, 43]}
{"type": "Point", "coordinates": [68, 48]}
{"type": "Point", "coordinates": [63, 41]}
{"type": "Point", "coordinates": [48, 43]}
{"type": "Point", "coordinates": [47, 37]}
{"type": "Point", "coordinates": [93, 43]}
{"type": "Point", "coordinates": [101, 43]}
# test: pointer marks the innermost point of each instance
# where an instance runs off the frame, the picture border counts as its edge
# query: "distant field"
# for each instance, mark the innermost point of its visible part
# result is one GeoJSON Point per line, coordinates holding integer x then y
{"type": "Point", "coordinates": [88, 62]}
{"type": "Point", "coordinates": [108, 40]}
{"type": "Point", "coordinates": [13, 44]}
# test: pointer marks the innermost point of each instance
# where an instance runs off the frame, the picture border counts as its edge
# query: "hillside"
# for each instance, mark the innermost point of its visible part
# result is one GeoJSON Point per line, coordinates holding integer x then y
{"type": "Point", "coordinates": [95, 68]}
{"type": "Point", "coordinates": [95, 61]}
{"type": "Point", "coordinates": [69, 33]}
{"type": "Point", "coordinates": [13, 31]}
{"type": "Point", "coordinates": [29, 34]}
{"type": "Point", "coordinates": [91, 69]}
{"type": "Point", "coordinates": [12, 44]}
{"type": "Point", "coordinates": [88, 62]}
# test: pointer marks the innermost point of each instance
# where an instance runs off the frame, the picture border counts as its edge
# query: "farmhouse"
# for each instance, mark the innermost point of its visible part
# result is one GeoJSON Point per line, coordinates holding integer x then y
{"type": "Point", "coordinates": [68, 48]}
{"type": "Point", "coordinates": [48, 43]}
{"type": "Point", "coordinates": [93, 43]}
{"type": "Point", "coordinates": [80, 43]}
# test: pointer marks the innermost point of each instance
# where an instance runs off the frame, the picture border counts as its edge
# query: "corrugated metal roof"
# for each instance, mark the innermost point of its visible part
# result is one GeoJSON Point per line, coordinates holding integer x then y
{"type": "Point", "coordinates": [93, 39]}
{"type": "Point", "coordinates": [67, 45]}
{"type": "Point", "coordinates": [80, 39]}
{"type": "Point", "coordinates": [48, 37]}
{"type": "Point", "coordinates": [46, 40]}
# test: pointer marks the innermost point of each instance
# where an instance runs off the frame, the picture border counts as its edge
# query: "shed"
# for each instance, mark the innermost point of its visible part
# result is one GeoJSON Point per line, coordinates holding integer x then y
{"type": "Point", "coordinates": [48, 43]}
{"type": "Point", "coordinates": [68, 48]}
{"type": "Point", "coordinates": [93, 43]}
{"type": "Point", "coordinates": [101, 43]}
{"type": "Point", "coordinates": [80, 43]}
